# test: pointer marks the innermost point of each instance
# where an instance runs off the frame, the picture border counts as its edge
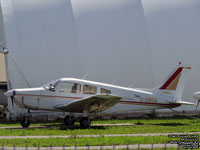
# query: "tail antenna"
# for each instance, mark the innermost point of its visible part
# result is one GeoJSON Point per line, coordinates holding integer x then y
{"type": "Point", "coordinates": [88, 73]}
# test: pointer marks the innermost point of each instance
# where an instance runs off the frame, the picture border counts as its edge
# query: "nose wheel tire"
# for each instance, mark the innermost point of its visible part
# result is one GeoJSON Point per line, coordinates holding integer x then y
{"type": "Point", "coordinates": [25, 122]}
{"type": "Point", "coordinates": [85, 122]}
{"type": "Point", "coordinates": [69, 120]}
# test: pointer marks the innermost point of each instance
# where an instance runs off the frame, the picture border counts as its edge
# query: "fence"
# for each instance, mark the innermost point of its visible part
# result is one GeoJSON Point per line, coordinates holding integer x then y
{"type": "Point", "coordinates": [100, 147]}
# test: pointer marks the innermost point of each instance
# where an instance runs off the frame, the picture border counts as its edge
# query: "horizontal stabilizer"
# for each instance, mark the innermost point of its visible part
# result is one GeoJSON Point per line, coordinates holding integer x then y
{"type": "Point", "coordinates": [95, 103]}
{"type": "Point", "coordinates": [184, 103]}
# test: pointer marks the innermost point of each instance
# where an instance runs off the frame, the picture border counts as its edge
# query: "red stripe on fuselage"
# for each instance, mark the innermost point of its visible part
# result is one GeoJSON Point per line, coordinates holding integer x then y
{"type": "Point", "coordinates": [50, 96]}
{"type": "Point", "coordinates": [169, 81]}
{"type": "Point", "coordinates": [122, 101]}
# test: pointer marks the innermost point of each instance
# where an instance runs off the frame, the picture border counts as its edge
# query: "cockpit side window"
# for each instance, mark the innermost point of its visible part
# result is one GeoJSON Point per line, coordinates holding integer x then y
{"type": "Point", "coordinates": [88, 89]}
{"type": "Point", "coordinates": [106, 91]}
{"type": "Point", "coordinates": [69, 87]}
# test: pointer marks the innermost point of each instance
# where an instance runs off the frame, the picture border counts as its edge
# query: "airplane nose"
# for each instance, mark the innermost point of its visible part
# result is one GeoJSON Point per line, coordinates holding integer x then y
{"type": "Point", "coordinates": [9, 93]}
{"type": "Point", "coordinates": [196, 95]}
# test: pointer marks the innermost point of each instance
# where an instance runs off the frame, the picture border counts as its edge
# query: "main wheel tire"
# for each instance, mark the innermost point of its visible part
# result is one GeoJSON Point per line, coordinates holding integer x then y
{"type": "Point", "coordinates": [25, 122]}
{"type": "Point", "coordinates": [85, 122]}
{"type": "Point", "coordinates": [69, 120]}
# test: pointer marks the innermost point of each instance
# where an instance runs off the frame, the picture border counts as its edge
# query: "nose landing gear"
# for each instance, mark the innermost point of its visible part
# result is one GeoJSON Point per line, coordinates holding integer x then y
{"type": "Point", "coordinates": [25, 120]}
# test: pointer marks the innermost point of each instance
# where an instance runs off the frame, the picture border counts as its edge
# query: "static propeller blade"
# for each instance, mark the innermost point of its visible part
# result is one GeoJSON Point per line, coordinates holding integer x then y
{"type": "Point", "coordinates": [12, 97]}
{"type": "Point", "coordinates": [197, 105]}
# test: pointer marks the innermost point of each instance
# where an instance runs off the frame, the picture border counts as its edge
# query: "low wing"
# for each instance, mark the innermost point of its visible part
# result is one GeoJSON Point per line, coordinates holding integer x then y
{"type": "Point", "coordinates": [95, 103]}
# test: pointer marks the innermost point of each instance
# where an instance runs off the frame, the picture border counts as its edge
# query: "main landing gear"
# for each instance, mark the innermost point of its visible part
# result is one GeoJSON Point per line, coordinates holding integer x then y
{"type": "Point", "coordinates": [85, 122]}
{"type": "Point", "coordinates": [69, 120]}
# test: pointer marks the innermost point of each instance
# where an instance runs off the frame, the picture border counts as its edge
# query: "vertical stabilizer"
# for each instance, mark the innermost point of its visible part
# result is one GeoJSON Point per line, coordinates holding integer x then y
{"type": "Point", "coordinates": [174, 84]}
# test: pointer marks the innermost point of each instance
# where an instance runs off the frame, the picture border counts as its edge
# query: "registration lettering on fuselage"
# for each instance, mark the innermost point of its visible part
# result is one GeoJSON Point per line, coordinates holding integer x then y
{"type": "Point", "coordinates": [148, 99]}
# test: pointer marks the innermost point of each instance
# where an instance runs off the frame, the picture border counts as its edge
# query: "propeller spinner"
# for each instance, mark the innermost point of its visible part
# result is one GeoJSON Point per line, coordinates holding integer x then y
{"type": "Point", "coordinates": [11, 94]}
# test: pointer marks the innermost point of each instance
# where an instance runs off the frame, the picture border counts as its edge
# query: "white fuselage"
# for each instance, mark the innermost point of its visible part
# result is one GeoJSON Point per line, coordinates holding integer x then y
{"type": "Point", "coordinates": [44, 98]}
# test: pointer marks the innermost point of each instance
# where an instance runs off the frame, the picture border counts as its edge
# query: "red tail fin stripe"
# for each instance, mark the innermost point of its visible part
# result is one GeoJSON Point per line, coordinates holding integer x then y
{"type": "Point", "coordinates": [169, 81]}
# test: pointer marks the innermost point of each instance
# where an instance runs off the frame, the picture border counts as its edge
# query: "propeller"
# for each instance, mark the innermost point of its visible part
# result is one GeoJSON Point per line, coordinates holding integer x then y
{"type": "Point", "coordinates": [12, 100]}
{"type": "Point", "coordinates": [197, 105]}
{"type": "Point", "coordinates": [196, 95]}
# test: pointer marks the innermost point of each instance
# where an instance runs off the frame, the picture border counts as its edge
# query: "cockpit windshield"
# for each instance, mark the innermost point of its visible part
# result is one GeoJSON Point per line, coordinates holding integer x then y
{"type": "Point", "coordinates": [52, 85]}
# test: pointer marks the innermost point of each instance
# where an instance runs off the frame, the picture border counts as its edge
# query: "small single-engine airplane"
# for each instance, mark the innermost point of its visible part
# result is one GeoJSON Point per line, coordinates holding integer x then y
{"type": "Point", "coordinates": [86, 97]}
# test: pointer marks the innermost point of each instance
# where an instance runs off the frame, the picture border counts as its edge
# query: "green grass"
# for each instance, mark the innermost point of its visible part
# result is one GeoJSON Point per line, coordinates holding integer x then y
{"type": "Point", "coordinates": [5, 123]}
{"type": "Point", "coordinates": [148, 149]}
{"type": "Point", "coordinates": [85, 141]}
{"type": "Point", "coordinates": [165, 125]}
{"type": "Point", "coordinates": [182, 120]}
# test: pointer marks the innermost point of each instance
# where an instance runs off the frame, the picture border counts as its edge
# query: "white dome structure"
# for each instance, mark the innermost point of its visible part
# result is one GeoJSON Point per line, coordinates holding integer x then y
{"type": "Point", "coordinates": [123, 42]}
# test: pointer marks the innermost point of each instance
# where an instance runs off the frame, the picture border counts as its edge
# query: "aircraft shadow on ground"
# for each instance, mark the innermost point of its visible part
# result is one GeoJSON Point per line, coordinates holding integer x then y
{"type": "Point", "coordinates": [71, 127]}
{"type": "Point", "coordinates": [60, 127]}
{"type": "Point", "coordinates": [170, 124]}
{"type": "Point", "coordinates": [74, 127]}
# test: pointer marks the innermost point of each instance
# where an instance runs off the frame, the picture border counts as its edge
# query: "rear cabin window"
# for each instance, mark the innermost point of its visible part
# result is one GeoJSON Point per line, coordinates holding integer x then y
{"type": "Point", "coordinates": [105, 91]}
{"type": "Point", "coordinates": [69, 87]}
{"type": "Point", "coordinates": [88, 89]}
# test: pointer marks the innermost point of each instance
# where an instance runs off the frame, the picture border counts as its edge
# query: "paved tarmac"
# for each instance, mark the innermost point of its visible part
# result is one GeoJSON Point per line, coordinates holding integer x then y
{"type": "Point", "coordinates": [106, 135]}
{"type": "Point", "coordinates": [95, 147]}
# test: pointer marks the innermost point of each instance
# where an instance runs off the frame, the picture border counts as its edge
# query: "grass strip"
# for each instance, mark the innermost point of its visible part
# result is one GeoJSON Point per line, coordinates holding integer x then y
{"type": "Point", "coordinates": [85, 141]}
{"type": "Point", "coordinates": [169, 148]}
{"type": "Point", "coordinates": [102, 130]}
{"type": "Point", "coordinates": [4, 123]}
{"type": "Point", "coordinates": [141, 126]}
